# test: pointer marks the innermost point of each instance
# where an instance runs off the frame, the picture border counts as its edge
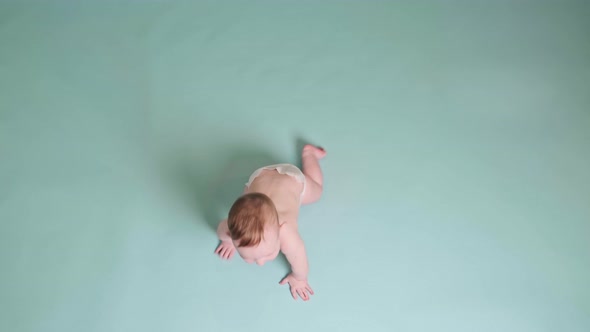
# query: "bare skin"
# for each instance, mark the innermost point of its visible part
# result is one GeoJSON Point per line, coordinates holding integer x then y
{"type": "Point", "coordinates": [285, 192]}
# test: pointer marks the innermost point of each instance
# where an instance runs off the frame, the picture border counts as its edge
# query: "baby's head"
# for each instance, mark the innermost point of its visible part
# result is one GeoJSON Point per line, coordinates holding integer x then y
{"type": "Point", "coordinates": [253, 224]}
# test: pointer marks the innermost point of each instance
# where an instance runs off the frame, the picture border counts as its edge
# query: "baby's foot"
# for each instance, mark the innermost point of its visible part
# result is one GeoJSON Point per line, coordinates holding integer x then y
{"type": "Point", "coordinates": [317, 151]}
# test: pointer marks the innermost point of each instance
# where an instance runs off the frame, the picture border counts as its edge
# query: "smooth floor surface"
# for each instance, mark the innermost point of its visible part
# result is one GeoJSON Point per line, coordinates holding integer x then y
{"type": "Point", "coordinates": [457, 181]}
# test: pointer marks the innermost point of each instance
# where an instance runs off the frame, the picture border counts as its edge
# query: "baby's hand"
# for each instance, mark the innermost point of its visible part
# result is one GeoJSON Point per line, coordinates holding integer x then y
{"type": "Point", "coordinates": [298, 287]}
{"type": "Point", "coordinates": [226, 250]}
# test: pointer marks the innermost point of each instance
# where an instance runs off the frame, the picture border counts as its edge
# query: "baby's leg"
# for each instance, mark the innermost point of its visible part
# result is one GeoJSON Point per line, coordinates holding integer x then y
{"type": "Point", "coordinates": [314, 179]}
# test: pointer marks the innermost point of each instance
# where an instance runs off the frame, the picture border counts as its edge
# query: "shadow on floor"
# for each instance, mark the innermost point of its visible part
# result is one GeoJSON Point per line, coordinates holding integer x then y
{"type": "Point", "coordinates": [209, 188]}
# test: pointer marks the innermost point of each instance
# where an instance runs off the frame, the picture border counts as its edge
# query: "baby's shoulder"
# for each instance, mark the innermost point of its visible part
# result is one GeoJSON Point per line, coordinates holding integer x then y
{"type": "Point", "coordinates": [289, 237]}
{"type": "Point", "coordinates": [287, 230]}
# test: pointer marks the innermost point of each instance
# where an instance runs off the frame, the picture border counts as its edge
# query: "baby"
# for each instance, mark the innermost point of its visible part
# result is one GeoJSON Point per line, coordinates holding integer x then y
{"type": "Point", "coordinates": [263, 221]}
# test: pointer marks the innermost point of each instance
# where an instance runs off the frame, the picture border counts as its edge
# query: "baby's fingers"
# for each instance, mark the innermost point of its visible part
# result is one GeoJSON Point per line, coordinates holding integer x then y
{"type": "Point", "coordinates": [220, 251]}
{"type": "Point", "coordinates": [309, 289]}
{"type": "Point", "coordinates": [225, 252]}
{"type": "Point", "coordinates": [294, 294]}
{"type": "Point", "coordinates": [302, 294]}
{"type": "Point", "coordinates": [229, 253]}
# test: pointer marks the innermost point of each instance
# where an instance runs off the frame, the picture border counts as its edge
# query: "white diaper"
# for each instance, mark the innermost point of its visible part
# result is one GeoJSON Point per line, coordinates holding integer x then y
{"type": "Point", "coordinates": [288, 169]}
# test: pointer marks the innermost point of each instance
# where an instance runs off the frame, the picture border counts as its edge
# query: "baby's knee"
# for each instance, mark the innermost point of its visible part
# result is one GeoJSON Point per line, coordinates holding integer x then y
{"type": "Point", "coordinates": [316, 191]}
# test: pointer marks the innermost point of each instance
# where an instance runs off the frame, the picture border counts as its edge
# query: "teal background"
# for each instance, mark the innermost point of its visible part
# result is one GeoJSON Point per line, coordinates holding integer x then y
{"type": "Point", "coordinates": [457, 182]}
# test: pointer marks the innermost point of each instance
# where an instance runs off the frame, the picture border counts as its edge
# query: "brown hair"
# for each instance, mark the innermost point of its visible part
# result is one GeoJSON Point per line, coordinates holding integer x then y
{"type": "Point", "coordinates": [248, 216]}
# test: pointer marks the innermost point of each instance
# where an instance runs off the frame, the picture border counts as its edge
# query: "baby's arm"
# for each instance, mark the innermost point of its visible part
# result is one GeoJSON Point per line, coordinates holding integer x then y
{"type": "Point", "coordinates": [294, 249]}
{"type": "Point", "coordinates": [226, 248]}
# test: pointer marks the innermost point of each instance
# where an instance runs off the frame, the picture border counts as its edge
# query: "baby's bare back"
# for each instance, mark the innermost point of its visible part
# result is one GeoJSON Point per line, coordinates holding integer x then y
{"type": "Point", "coordinates": [284, 190]}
